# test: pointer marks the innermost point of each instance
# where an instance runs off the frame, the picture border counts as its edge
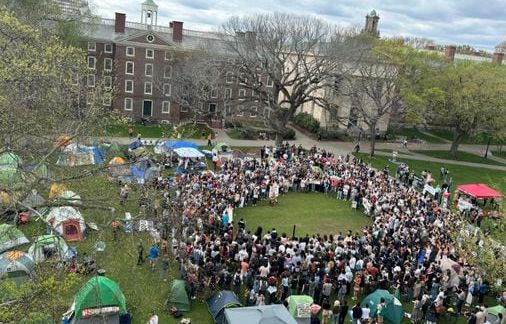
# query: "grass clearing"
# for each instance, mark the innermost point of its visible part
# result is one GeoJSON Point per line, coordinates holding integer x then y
{"type": "Point", "coordinates": [501, 154]}
{"type": "Point", "coordinates": [412, 133]}
{"type": "Point", "coordinates": [461, 156]}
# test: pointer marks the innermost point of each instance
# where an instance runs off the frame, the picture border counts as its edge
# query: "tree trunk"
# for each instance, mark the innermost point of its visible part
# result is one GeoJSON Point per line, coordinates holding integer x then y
{"type": "Point", "coordinates": [279, 138]}
{"type": "Point", "coordinates": [373, 139]}
{"type": "Point", "coordinates": [457, 140]}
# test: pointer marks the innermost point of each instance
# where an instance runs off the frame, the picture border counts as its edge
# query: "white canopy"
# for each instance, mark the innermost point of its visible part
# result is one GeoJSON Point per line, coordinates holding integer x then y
{"type": "Point", "coordinates": [189, 152]}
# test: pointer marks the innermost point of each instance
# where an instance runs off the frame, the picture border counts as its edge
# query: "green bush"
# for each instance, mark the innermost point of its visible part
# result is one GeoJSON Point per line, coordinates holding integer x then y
{"type": "Point", "coordinates": [332, 134]}
{"type": "Point", "coordinates": [307, 122]}
{"type": "Point", "coordinates": [248, 133]}
{"type": "Point", "coordinates": [289, 134]}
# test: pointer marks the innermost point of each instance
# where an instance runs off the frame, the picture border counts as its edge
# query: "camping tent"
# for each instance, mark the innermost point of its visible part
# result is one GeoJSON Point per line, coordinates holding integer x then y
{"type": "Point", "coordinates": [167, 146]}
{"type": "Point", "coordinates": [34, 200]}
{"type": "Point", "coordinates": [135, 144]}
{"type": "Point", "coordinates": [16, 265]}
{"type": "Point", "coordinates": [75, 155]}
{"type": "Point", "coordinates": [394, 312]}
{"type": "Point", "coordinates": [67, 221]}
{"type": "Point", "coordinates": [299, 307]}
{"type": "Point", "coordinates": [493, 313]}
{"type": "Point", "coordinates": [221, 147]}
{"type": "Point", "coordinates": [48, 245]}
{"type": "Point", "coordinates": [11, 237]}
{"type": "Point", "coordinates": [479, 191]}
{"type": "Point", "coordinates": [221, 300]}
{"type": "Point", "coordinates": [140, 172]}
{"type": "Point", "coordinates": [10, 173]}
{"type": "Point", "coordinates": [267, 314]}
{"type": "Point", "coordinates": [100, 295]}
{"type": "Point", "coordinates": [117, 161]}
{"type": "Point", "coordinates": [178, 296]}
{"type": "Point", "coordinates": [189, 152]}
{"type": "Point", "coordinates": [69, 197]}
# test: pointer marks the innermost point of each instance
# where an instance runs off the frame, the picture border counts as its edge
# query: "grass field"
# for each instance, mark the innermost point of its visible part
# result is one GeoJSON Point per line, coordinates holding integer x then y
{"type": "Point", "coordinates": [461, 156]}
{"type": "Point", "coordinates": [501, 154]}
{"type": "Point", "coordinates": [311, 213]}
{"type": "Point", "coordinates": [412, 133]}
{"type": "Point", "coordinates": [188, 130]}
{"type": "Point", "coordinates": [480, 138]}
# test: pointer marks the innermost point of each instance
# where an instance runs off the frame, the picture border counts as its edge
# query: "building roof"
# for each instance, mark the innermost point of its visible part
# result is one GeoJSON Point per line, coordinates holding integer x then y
{"type": "Point", "coordinates": [150, 3]}
{"type": "Point", "coordinates": [373, 13]}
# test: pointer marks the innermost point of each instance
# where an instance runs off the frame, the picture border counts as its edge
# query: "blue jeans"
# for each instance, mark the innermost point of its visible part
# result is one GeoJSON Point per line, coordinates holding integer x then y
{"type": "Point", "coordinates": [335, 318]}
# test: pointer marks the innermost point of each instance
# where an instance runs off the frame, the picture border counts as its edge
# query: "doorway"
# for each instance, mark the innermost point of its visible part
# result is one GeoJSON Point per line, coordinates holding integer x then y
{"type": "Point", "coordinates": [147, 108]}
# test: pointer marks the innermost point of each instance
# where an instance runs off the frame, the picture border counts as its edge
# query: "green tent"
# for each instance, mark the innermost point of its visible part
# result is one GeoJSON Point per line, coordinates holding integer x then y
{"type": "Point", "coordinates": [493, 313]}
{"type": "Point", "coordinates": [394, 311]}
{"type": "Point", "coordinates": [299, 306]}
{"type": "Point", "coordinates": [10, 237]}
{"type": "Point", "coordinates": [222, 147]}
{"type": "Point", "coordinates": [178, 296]}
{"type": "Point", "coordinates": [10, 174]}
{"type": "Point", "coordinates": [99, 292]}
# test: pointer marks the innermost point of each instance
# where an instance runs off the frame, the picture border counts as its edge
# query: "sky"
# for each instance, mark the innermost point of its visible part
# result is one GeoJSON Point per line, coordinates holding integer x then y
{"type": "Point", "coordinates": [481, 24]}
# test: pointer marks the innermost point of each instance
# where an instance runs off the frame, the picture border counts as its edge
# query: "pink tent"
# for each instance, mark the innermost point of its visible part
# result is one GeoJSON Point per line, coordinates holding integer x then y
{"type": "Point", "coordinates": [479, 191]}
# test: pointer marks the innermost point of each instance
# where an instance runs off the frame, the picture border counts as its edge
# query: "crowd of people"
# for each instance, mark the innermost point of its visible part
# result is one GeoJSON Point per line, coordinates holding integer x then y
{"type": "Point", "coordinates": [408, 248]}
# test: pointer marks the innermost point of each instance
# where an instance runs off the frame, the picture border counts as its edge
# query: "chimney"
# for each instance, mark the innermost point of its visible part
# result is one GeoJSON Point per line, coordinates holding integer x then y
{"type": "Point", "coordinates": [119, 23]}
{"type": "Point", "coordinates": [497, 58]}
{"type": "Point", "coordinates": [177, 31]}
{"type": "Point", "coordinates": [450, 52]}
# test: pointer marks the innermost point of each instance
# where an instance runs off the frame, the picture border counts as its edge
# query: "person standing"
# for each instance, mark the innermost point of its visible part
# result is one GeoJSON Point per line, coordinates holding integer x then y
{"type": "Point", "coordinates": [153, 255]}
{"type": "Point", "coordinates": [335, 311]}
{"type": "Point", "coordinates": [356, 313]}
{"type": "Point", "coordinates": [140, 253]}
{"type": "Point", "coordinates": [209, 140]}
{"type": "Point", "coordinates": [343, 311]}
{"type": "Point", "coordinates": [380, 311]}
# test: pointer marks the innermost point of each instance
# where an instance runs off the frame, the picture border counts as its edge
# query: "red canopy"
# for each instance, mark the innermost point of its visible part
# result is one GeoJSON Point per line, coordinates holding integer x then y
{"type": "Point", "coordinates": [479, 190]}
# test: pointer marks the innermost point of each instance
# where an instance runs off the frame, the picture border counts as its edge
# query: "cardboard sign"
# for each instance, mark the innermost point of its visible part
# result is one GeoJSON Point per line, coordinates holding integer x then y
{"type": "Point", "coordinates": [303, 310]}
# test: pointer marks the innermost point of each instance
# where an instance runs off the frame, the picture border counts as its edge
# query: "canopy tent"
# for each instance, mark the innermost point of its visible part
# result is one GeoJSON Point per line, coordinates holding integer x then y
{"type": "Point", "coordinates": [76, 155]}
{"type": "Point", "coordinates": [67, 221]}
{"type": "Point", "coordinates": [189, 152]}
{"type": "Point", "coordinates": [99, 294]}
{"type": "Point", "coordinates": [11, 237]}
{"type": "Point", "coordinates": [267, 314]}
{"type": "Point", "coordinates": [221, 300]}
{"type": "Point", "coordinates": [10, 170]}
{"type": "Point", "coordinates": [46, 246]}
{"type": "Point", "coordinates": [299, 307]}
{"type": "Point", "coordinates": [178, 296]}
{"type": "Point", "coordinates": [16, 265]}
{"type": "Point", "coordinates": [393, 311]}
{"type": "Point", "coordinates": [493, 313]}
{"type": "Point", "coordinates": [479, 191]}
{"type": "Point", "coordinates": [136, 144]}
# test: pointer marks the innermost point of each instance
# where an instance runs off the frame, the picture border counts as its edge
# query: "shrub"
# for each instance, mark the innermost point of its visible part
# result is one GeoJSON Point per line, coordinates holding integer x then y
{"type": "Point", "coordinates": [289, 134]}
{"type": "Point", "coordinates": [248, 133]}
{"type": "Point", "coordinates": [333, 134]}
{"type": "Point", "coordinates": [307, 122]}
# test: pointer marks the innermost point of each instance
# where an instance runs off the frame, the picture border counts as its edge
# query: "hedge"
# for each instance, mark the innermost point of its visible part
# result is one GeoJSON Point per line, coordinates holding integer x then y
{"type": "Point", "coordinates": [307, 122]}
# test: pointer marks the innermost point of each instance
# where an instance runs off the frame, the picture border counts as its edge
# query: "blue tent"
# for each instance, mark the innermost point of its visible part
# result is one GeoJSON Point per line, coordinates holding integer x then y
{"type": "Point", "coordinates": [217, 304]}
{"type": "Point", "coordinates": [135, 144]}
{"type": "Point", "coordinates": [98, 154]}
{"type": "Point", "coordinates": [271, 314]}
{"type": "Point", "coordinates": [171, 145]}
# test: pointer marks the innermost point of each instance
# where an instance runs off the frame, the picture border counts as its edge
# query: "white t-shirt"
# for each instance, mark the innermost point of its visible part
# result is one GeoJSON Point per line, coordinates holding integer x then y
{"type": "Point", "coordinates": [365, 313]}
{"type": "Point", "coordinates": [153, 319]}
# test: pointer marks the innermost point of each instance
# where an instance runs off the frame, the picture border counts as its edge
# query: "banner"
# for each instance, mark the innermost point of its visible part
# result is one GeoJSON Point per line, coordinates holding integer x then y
{"type": "Point", "coordinates": [430, 189]}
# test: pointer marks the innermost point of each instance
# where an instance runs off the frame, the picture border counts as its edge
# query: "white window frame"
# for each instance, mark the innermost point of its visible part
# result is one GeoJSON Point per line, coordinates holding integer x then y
{"type": "Point", "coordinates": [150, 87]}
{"type": "Point", "coordinates": [105, 47]}
{"type": "Point", "coordinates": [183, 108]}
{"type": "Point", "coordinates": [167, 93]}
{"type": "Point", "coordinates": [131, 104]}
{"type": "Point", "coordinates": [133, 51]}
{"type": "Point", "coordinates": [240, 111]}
{"type": "Point", "coordinates": [269, 82]}
{"type": "Point", "coordinates": [107, 59]}
{"type": "Point", "coordinates": [92, 76]}
{"type": "Point", "coordinates": [94, 62]}
{"type": "Point", "coordinates": [126, 68]}
{"type": "Point", "coordinates": [229, 77]}
{"type": "Point", "coordinates": [107, 99]}
{"type": "Point", "coordinates": [253, 109]}
{"type": "Point", "coordinates": [243, 80]}
{"type": "Point", "coordinates": [75, 78]}
{"type": "Point", "coordinates": [215, 107]}
{"type": "Point", "coordinates": [170, 56]}
{"type": "Point", "coordinates": [242, 97]}
{"type": "Point", "coordinates": [152, 51]}
{"type": "Point", "coordinates": [165, 76]}
{"type": "Point", "coordinates": [227, 107]}
{"type": "Point", "coordinates": [228, 93]}
{"type": "Point", "coordinates": [126, 87]}
{"type": "Point", "coordinates": [164, 104]}
{"type": "Point", "coordinates": [92, 48]}
{"type": "Point", "coordinates": [214, 92]}
{"type": "Point", "coordinates": [146, 69]}
{"type": "Point", "coordinates": [90, 97]}
{"type": "Point", "coordinates": [106, 86]}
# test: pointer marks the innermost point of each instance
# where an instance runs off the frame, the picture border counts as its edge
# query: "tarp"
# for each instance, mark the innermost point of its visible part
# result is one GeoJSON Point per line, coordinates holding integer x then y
{"type": "Point", "coordinates": [49, 245]}
{"type": "Point", "coordinates": [479, 191]}
{"type": "Point", "coordinates": [11, 237]}
{"type": "Point", "coordinates": [172, 145]}
{"type": "Point", "coordinates": [394, 312]}
{"type": "Point", "coordinates": [76, 155]}
{"type": "Point", "coordinates": [493, 313]}
{"type": "Point", "coordinates": [135, 144]}
{"type": "Point", "coordinates": [178, 296]}
{"type": "Point", "coordinates": [16, 264]}
{"type": "Point", "coordinates": [189, 152]}
{"type": "Point", "coordinates": [217, 303]}
{"type": "Point", "coordinates": [298, 306]}
{"type": "Point", "coordinates": [99, 291]}
{"type": "Point", "coordinates": [267, 314]}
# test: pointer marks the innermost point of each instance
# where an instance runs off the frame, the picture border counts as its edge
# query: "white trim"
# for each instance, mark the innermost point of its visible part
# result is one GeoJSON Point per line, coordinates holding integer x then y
{"type": "Point", "coordinates": [146, 69]}
{"type": "Point", "coordinates": [214, 92]}
{"type": "Point", "coordinates": [255, 109]}
{"type": "Point", "coordinates": [243, 91]}
{"type": "Point", "coordinates": [92, 48]}
{"type": "Point", "coordinates": [126, 82]}
{"type": "Point", "coordinates": [133, 51]}
{"type": "Point", "coordinates": [90, 97]}
{"type": "Point", "coordinates": [88, 78]}
{"type": "Point", "coordinates": [107, 100]}
{"type": "Point", "coordinates": [107, 77]}
{"type": "Point", "coordinates": [229, 77]}
{"type": "Point", "coordinates": [167, 93]}
{"type": "Point", "coordinates": [171, 56]}
{"type": "Point", "coordinates": [147, 38]}
{"type": "Point", "coordinates": [131, 104]}
{"type": "Point", "coordinates": [228, 93]}
{"type": "Point", "coordinates": [150, 87]}
{"type": "Point", "coordinates": [142, 111]}
{"type": "Point", "coordinates": [94, 62]}
{"type": "Point", "coordinates": [105, 48]}
{"type": "Point", "coordinates": [240, 111]}
{"type": "Point", "coordinates": [227, 107]}
{"type": "Point", "coordinates": [165, 72]}
{"type": "Point", "coordinates": [126, 68]}
{"type": "Point", "coordinates": [243, 81]}
{"type": "Point", "coordinates": [152, 51]}
{"type": "Point", "coordinates": [163, 106]}
{"type": "Point", "coordinates": [215, 107]}
{"type": "Point", "coordinates": [107, 59]}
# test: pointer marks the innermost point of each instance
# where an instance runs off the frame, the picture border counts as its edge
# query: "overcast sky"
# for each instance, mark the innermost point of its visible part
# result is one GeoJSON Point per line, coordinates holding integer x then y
{"type": "Point", "coordinates": [481, 24]}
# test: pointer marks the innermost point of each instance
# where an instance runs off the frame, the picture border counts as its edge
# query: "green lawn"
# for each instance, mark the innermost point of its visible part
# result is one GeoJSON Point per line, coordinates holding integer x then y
{"type": "Point", "coordinates": [412, 133]}
{"type": "Point", "coordinates": [480, 138]}
{"type": "Point", "coordinates": [311, 213]}
{"type": "Point", "coordinates": [461, 156]}
{"type": "Point", "coordinates": [390, 151]}
{"type": "Point", "coordinates": [501, 154]}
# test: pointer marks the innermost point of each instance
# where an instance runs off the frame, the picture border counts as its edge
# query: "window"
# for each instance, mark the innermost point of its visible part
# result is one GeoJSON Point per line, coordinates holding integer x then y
{"type": "Point", "coordinates": [259, 78]}
{"type": "Point", "coordinates": [128, 104]}
{"type": "Point", "coordinates": [130, 51]}
{"type": "Point", "coordinates": [227, 108]}
{"type": "Point", "coordinates": [107, 99]}
{"type": "Point", "coordinates": [92, 62]}
{"type": "Point", "coordinates": [269, 82]}
{"type": "Point", "coordinates": [75, 78]}
{"type": "Point", "coordinates": [166, 107]}
{"type": "Point", "coordinates": [148, 69]}
{"type": "Point", "coordinates": [92, 46]}
{"type": "Point", "coordinates": [243, 79]}
{"type": "Point", "coordinates": [108, 82]}
{"type": "Point", "coordinates": [108, 64]}
{"type": "Point", "coordinates": [108, 48]}
{"type": "Point", "coordinates": [242, 94]}
{"type": "Point", "coordinates": [212, 108]}
{"type": "Point", "coordinates": [214, 92]}
{"type": "Point", "coordinates": [167, 89]}
{"type": "Point", "coordinates": [240, 111]}
{"type": "Point", "coordinates": [150, 53]}
{"type": "Point", "coordinates": [253, 112]}
{"type": "Point", "coordinates": [229, 78]}
{"type": "Point", "coordinates": [167, 72]}
{"type": "Point", "coordinates": [168, 56]}
{"type": "Point", "coordinates": [129, 68]}
{"type": "Point", "coordinates": [129, 86]}
{"type": "Point", "coordinates": [184, 108]}
{"type": "Point", "coordinates": [90, 98]}
{"type": "Point", "coordinates": [228, 93]}
{"type": "Point", "coordinates": [90, 80]}
{"type": "Point", "coordinates": [150, 38]}
{"type": "Point", "coordinates": [148, 88]}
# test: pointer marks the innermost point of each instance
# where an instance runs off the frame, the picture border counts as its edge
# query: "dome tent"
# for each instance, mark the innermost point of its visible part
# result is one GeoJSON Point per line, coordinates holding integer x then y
{"type": "Point", "coordinates": [49, 245]}
{"type": "Point", "coordinates": [67, 221]}
{"type": "Point", "coordinates": [393, 307]}
{"type": "Point", "coordinates": [69, 197]}
{"type": "Point", "coordinates": [16, 265]}
{"type": "Point", "coordinates": [10, 173]}
{"type": "Point", "coordinates": [76, 155]}
{"type": "Point", "coordinates": [11, 237]}
{"type": "Point", "coordinates": [178, 296]}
